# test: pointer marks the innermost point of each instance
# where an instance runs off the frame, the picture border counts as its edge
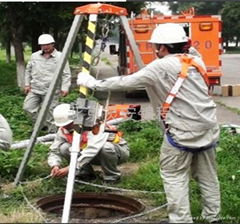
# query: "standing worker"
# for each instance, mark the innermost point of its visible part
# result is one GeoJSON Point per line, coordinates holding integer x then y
{"type": "Point", "coordinates": [177, 87]}
{"type": "Point", "coordinates": [97, 148]}
{"type": "Point", "coordinates": [5, 134]}
{"type": "Point", "coordinates": [38, 76]}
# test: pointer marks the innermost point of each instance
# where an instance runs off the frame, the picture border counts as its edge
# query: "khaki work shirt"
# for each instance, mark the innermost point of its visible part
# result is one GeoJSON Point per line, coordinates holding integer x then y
{"type": "Point", "coordinates": [192, 112]}
{"type": "Point", "coordinates": [94, 145]}
{"type": "Point", "coordinates": [40, 71]}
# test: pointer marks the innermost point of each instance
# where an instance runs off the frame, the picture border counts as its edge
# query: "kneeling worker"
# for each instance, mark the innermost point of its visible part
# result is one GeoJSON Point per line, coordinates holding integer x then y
{"type": "Point", "coordinates": [97, 147]}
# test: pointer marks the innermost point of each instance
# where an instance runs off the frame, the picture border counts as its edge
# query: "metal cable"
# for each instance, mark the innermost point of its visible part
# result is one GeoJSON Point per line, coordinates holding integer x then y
{"type": "Point", "coordinates": [33, 181]}
{"type": "Point", "coordinates": [31, 206]}
{"type": "Point", "coordinates": [118, 189]}
{"type": "Point", "coordinates": [94, 185]}
{"type": "Point", "coordinates": [141, 214]}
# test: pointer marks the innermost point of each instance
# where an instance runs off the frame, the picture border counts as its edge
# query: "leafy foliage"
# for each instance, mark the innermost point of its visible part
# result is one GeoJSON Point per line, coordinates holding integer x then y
{"type": "Point", "coordinates": [227, 9]}
{"type": "Point", "coordinates": [229, 173]}
{"type": "Point", "coordinates": [144, 139]}
{"type": "Point", "coordinates": [8, 73]}
{"type": "Point", "coordinates": [37, 166]}
{"type": "Point", "coordinates": [231, 16]}
{"type": "Point", "coordinates": [201, 7]}
{"type": "Point", "coordinates": [12, 102]}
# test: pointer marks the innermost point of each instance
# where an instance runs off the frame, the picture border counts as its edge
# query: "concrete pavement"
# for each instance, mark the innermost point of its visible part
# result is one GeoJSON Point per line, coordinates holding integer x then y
{"type": "Point", "coordinates": [227, 108]}
{"type": "Point", "coordinates": [231, 71]}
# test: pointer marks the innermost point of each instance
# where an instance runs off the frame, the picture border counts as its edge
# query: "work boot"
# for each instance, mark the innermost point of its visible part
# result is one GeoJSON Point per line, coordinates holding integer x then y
{"type": "Point", "coordinates": [217, 222]}
{"type": "Point", "coordinates": [86, 173]}
{"type": "Point", "coordinates": [86, 177]}
{"type": "Point", "coordinates": [112, 181]}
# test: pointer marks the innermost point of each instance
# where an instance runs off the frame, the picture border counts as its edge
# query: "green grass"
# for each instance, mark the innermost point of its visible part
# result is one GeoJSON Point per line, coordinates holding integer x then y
{"type": "Point", "coordinates": [8, 74]}
{"type": "Point", "coordinates": [233, 50]}
{"type": "Point", "coordinates": [234, 110]}
{"type": "Point", "coordinates": [144, 140]}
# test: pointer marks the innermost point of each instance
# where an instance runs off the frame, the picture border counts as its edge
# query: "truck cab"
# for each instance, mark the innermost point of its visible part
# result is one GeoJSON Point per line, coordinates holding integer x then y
{"type": "Point", "coordinates": [203, 30]}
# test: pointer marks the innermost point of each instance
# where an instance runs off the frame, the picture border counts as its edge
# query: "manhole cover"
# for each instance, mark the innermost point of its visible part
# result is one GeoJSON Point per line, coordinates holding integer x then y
{"type": "Point", "coordinates": [92, 205]}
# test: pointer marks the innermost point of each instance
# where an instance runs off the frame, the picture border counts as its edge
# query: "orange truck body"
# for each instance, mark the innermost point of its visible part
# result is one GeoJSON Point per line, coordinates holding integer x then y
{"type": "Point", "coordinates": [204, 32]}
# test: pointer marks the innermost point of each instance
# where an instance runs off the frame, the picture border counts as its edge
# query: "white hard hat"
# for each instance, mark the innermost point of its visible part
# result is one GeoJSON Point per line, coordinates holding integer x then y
{"type": "Point", "coordinates": [63, 115]}
{"type": "Point", "coordinates": [168, 33]}
{"type": "Point", "coordinates": [45, 39]}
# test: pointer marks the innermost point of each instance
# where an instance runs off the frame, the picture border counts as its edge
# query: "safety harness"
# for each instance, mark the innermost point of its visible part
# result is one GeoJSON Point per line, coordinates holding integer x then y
{"type": "Point", "coordinates": [186, 62]}
{"type": "Point", "coordinates": [114, 136]}
{"type": "Point", "coordinates": [69, 137]}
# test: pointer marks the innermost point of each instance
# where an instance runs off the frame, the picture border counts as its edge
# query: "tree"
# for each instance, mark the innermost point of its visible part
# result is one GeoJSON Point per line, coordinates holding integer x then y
{"type": "Point", "coordinates": [201, 7]}
{"type": "Point", "coordinates": [231, 26]}
{"type": "Point", "coordinates": [33, 19]}
{"type": "Point", "coordinates": [13, 24]}
{"type": "Point", "coordinates": [28, 23]}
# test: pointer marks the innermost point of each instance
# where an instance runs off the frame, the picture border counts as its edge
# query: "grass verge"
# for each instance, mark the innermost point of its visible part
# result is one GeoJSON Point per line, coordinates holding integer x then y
{"type": "Point", "coordinates": [144, 139]}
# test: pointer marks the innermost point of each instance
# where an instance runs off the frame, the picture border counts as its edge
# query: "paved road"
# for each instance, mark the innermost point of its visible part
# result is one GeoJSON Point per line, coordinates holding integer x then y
{"type": "Point", "coordinates": [231, 71]}
{"type": "Point", "coordinates": [231, 75]}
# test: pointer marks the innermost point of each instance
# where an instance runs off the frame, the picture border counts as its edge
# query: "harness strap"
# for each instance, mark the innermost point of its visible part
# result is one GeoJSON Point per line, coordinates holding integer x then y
{"type": "Point", "coordinates": [189, 149]}
{"type": "Point", "coordinates": [186, 62]}
{"type": "Point", "coordinates": [69, 137]}
{"type": "Point", "coordinates": [117, 134]}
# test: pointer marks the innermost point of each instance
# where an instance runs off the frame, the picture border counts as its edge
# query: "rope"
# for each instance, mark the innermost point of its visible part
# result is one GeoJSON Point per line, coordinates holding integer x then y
{"type": "Point", "coordinates": [118, 189]}
{"type": "Point", "coordinates": [141, 214]}
{"type": "Point", "coordinates": [104, 38]}
{"type": "Point", "coordinates": [37, 180]}
{"type": "Point", "coordinates": [31, 206]}
{"type": "Point", "coordinates": [26, 199]}
{"type": "Point", "coordinates": [106, 107]}
{"type": "Point", "coordinates": [94, 185]}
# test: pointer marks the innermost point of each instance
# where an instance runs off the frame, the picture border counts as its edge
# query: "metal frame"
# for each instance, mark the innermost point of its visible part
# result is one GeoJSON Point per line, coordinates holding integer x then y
{"type": "Point", "coordinates": [79, 14]}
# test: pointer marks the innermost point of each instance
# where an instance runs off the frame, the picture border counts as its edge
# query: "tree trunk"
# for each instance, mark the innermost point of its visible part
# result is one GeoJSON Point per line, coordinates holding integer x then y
{"type": "Point", "coordinates": [8, 51]}
{"type": "Point", "coordinates": [226, 44]}
{"type": "Point", "coordinates": [36, 32]}
{"type": "Point", "coordinates": [16, 28]}
{"type": "Point", "coordinates": [236, 43]}
{"type": "Point", "coordinates": [20, 65]}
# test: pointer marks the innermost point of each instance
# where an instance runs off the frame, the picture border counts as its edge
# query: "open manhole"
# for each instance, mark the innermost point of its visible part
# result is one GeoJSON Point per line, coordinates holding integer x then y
{"type": "Point", "coordinates": [92, 205]}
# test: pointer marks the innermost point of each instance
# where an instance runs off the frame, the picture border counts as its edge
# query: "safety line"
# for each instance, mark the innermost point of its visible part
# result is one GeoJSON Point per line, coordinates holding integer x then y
{"type": "Point", "coordinates": [118, 189]}
{"type": "Point", "coordinates": [37, 180]}
{"type": "Point", "coordinates": [141, 214]}
{"type": "Point", "coordinates": [94, 185]}
{"type": "Point", "coordinates": [31, 206]}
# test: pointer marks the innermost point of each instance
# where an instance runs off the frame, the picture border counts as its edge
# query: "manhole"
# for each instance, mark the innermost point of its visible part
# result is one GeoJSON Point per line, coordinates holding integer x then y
{"type": "Point", "coordinates": [92, 205]}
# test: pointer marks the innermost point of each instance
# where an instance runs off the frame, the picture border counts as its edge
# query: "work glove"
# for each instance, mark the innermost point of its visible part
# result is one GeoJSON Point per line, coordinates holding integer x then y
{"type": "Point", "coordinates": [84, 79]}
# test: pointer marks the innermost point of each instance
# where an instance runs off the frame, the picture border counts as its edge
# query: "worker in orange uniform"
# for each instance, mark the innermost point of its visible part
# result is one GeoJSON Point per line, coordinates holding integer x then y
{"type": "Point", "coordinates": [97, 148]}
{"type": "Point", "coordinates": [178, 91]}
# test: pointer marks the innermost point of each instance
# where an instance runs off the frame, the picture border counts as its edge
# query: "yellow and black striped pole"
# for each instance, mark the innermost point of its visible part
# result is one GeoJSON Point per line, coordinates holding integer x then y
{"type": "Point", "coordinates": [89, 44]}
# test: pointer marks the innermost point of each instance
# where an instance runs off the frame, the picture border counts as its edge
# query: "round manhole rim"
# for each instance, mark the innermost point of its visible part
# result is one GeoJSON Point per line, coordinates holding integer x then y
{"type": "Point", "coordinates": [116, 202]}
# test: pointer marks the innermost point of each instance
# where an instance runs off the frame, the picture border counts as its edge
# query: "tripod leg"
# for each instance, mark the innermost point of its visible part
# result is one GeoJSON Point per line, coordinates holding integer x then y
{"type": "Point", "coordinates": [71, 177]}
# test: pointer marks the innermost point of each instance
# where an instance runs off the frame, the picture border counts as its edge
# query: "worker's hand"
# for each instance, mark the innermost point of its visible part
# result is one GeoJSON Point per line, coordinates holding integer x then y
{"type": "Point", "coordinates": [27, 89]}
{"type": "Point", "coordinates": [54, 171]}
{"type": "Point", "coordinates": [64, 93]}
{"type": "Point", "coordinates": [63, 172]}
{"type": "Point", "coordinates": [84, 79]}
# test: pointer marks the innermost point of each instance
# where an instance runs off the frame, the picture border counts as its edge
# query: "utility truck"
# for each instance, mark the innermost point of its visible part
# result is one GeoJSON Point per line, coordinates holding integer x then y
{"type": "Point", "coordinates": [204, 32]}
